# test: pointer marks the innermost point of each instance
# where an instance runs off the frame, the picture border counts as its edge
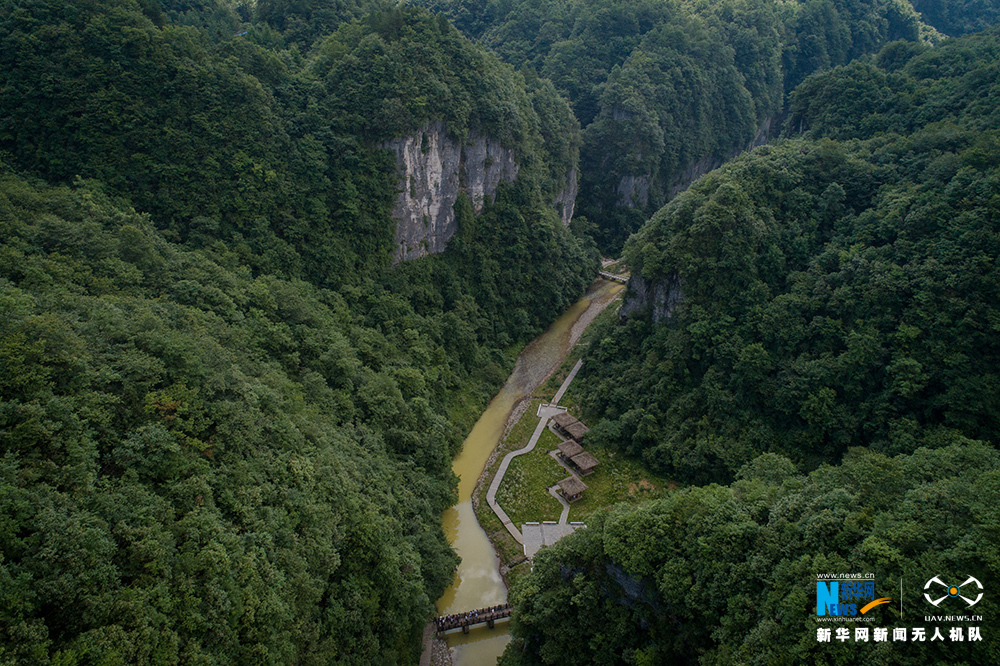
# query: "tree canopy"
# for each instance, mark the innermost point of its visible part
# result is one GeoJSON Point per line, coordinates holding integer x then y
{"type": "Point", "coordinates": [727, 574]}
{"type": "Point", "coordinates": [665, 91]}
{"type": "Point", "coordinates": [835, 294]}
{"type": "Point", "coordinates": [829, 352]}
{"type": "Point", "coordinates": [226, 422]}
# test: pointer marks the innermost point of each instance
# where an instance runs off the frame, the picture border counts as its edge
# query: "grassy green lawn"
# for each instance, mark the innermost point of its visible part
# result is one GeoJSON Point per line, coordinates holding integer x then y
{"type": "Point", "coordinates": [616, 479]}
{"type": "Point", "coordinates": [523, 493]}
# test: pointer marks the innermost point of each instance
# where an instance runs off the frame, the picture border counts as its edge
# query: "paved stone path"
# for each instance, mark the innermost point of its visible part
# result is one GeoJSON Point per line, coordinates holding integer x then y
{"type": "Point", "coordinates": [565, 384]}
{"type": "Point", "coordinates": [425, 655]}
{"type": "Point", "coordinates": [569, 470]}
{"type": "Point", "coordinates": [537, 535]}
{"type": "Point", "coordinates": [545, 412]}
{"type": "Point", "coordinates": [564, 516]}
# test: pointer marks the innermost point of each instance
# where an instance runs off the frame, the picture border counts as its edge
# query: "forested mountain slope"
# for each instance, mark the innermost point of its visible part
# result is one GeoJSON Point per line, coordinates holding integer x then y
{"type": "Point", "coordinates": [959, 17]}
{"type": "Point", "coordinates": [816, 325]}
{"type": "Point", "coordinates": [220, 137]}
{"type": "Point", "coordinates": [835, 294]}
{"type": "Point", "coordinates": [226, 421]}
{"type": "Point", "coordinates": [727, 574]}
{"type": "Point", "coordinates": [204, 466]}
{"type": "Point", "coordinates": [666, 91]}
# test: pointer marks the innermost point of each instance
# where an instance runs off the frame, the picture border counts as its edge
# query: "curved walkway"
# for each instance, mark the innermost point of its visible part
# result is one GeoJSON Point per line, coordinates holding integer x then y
{"type": "Point", "coordinates": [564, 516]}
{"type": "Point", "coordinates": [545, 412]}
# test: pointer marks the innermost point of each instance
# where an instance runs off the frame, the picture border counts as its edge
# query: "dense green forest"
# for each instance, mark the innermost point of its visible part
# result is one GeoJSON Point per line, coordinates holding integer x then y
{"type": "Point", "coordinates": [825, 342]}
{"type": "Point", "coordinates": [824, 283]}
{"type": "Point", "coordinates": [721, 575]}
{"type": "Point", "coordinates": [204, 466]}
{"type": "Point", "coordinates": [220, 138]}
{"type": "Point", "coordinates": [226, 421]}
{"type": "Point", "coordinates": [667, 90]}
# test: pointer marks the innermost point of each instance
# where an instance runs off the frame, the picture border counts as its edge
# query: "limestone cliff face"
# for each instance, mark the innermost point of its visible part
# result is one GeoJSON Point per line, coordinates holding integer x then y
{"type": "Point", "coordinates": [433, 169]}
{"type": "Point", "coordinates": [660, 297]}
{"type": "Point", "coordinates": [566, 201]}
{"type": "Point", "coordinates": [699, 168]}
{"type": "Point", "coordinates": [693, 172]}
{"type": "Point", "coordinates": [633, 191]}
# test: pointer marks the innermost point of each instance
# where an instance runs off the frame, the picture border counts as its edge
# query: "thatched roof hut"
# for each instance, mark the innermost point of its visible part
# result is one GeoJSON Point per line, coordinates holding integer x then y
{"type": "Point", "coordinates": [570, 425]}
{"type": "Point", "coordinates": [572, 488]}
{"type": "Point", "coordinates": [568, 448]}
{"type": "Point", "coordinates": [585, 462]}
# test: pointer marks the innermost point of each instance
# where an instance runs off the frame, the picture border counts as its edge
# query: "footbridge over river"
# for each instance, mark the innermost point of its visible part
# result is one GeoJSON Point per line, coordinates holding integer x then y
{"type": "Point", "coordinates": [463, 621]}
{"type": "Point", "coordinates": [611, 276]}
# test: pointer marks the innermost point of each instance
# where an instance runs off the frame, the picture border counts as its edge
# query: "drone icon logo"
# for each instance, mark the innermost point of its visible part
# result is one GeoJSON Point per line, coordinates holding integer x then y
{"type": "Point", "coordinates": [953, 591]}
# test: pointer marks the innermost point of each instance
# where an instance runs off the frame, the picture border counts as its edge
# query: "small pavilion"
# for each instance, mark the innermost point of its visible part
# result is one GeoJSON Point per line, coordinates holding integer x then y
{"type": "Point", "coordinates": [572, 488]}
{"type": "Point", "coordinates": [570, 426]}
{"type": "Point", "coordinates": [585, 462]}
{"type": "Point", "coordinates": [568, 448]}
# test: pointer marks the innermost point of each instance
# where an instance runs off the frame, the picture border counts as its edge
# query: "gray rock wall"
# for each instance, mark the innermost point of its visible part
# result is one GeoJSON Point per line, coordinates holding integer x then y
{"type": "Point", "coordinates": [660, 297]}
{"type": "Point", "coordinates": [566, 201]}
{"type": "Point", "coordinates": [433, 169]}
{"type": "Point", "coordinates": [633, 191]}
{"type": "Point", "coordinates": [699, 168]}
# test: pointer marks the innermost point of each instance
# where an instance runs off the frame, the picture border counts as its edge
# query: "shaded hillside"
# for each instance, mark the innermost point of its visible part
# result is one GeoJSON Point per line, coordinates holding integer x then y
{"type": "Point", "coordinates": [667, 91]}
{"type": "Point", "coordinates": [835, 294]}
{"type": "Point", "coordinates": [727, 574]}
{"type": "Point", "coordinates": [226, 422]}
{"type": "Point", "coordinates": [233, 138]}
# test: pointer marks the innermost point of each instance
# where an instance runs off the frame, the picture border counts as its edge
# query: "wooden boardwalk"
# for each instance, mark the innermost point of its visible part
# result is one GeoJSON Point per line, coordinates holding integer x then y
{"type": "Point", "coordinates": [463, 621]}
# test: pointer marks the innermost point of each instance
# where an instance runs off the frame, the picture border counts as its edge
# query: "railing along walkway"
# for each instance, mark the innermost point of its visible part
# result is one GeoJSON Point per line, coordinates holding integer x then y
{"type": "Point", "coordinates": [463, 621]}
{"type": "Point", "coordinates": [611, 276]}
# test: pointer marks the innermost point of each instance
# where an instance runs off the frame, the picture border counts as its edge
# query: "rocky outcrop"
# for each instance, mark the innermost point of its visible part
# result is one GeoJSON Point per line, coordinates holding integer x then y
{"type": "Point", "coordinates": [633, 191]}
{"type": "Point", "coordinates": [660, 297]}
{"type": "Point", "coordinates": [566, 201]}
{"type": "Point", "coordinates": [693, 172]}
{"type": "Point", "coordinates": [699, 168]}
{"type": "Point", "coordinates": [433, 169]}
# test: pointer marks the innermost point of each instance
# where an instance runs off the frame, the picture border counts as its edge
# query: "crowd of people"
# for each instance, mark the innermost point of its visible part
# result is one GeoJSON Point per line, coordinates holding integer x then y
{"type": "Point", "coordinates": [446, 622]}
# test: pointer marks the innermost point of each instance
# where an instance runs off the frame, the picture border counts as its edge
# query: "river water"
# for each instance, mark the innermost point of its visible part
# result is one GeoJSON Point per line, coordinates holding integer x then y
{"type": "Point", "coordinates": [477, 583]}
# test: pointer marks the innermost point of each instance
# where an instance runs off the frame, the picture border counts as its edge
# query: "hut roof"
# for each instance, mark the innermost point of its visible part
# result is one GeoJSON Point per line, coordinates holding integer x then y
{"type": "Point", "coordinates": [565, 419]}
{"type": "Point", "coordinates": [585, 461]}
{"type": "Point", "coordinates": [572, 485]}
{"type": "Point", "coordinates": [569, 448]}
{"type": "Point", "coordinates": [576, 430]}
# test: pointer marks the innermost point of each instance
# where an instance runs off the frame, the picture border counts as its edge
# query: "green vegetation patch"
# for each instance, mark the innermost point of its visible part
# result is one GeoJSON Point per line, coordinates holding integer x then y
{"type": "Point", "coordinates": [508, 550]}
{"type": "Point", "coordinates": [830, 293]}
{"type": "Point", "coordinates": [729, 572]}
{"type": "Point", "coordinates": [617, 479]}
{"type": "Point", "coordinates": [524, 492]}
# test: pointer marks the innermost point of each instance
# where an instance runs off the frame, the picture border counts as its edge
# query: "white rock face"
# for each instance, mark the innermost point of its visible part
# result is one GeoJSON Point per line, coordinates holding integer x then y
{"type": "Point", "coordinates": [565, 203]}
{"type": "Point", "coordinates": [433, 169]}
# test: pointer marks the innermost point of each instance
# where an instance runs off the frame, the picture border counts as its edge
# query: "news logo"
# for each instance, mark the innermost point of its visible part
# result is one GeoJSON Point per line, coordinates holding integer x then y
{"type": "Point", "coordinates": [843, 598]}
{"type": "Point", "coordinates": [953, 591]}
